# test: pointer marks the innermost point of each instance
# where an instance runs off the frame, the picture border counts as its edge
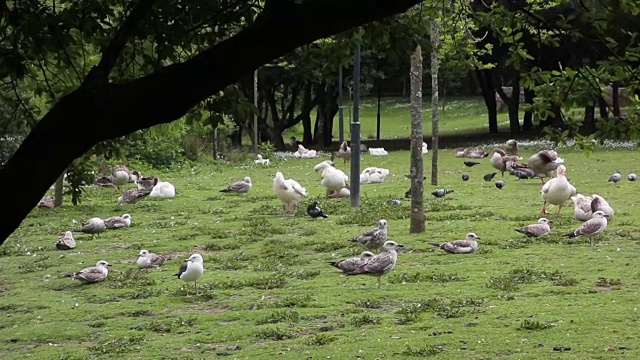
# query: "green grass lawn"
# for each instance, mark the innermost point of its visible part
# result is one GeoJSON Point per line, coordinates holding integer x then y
{"type": "Point", "coordinates": [268, 292]}
{"type": "Point", "coordinates": [461, 114]}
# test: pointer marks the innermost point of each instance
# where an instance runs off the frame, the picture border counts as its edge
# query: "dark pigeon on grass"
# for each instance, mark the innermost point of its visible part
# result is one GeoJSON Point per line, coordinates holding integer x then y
{"type": "Point", "coordinates": [441, 192]}
{"type": "Point", "coordinates": [489, 177]}
{"type": "Point", "coordinates": [500, 184]}
{"type": "Point", "coordinates": [315, 212]}
{"type": "Point", "coordinates": [471, 163]}
{"type": "Point", "coordinates": [617, 176]}
{"type": "Point", "coordinates": [632, 177]}
{"type": "Point", "coordinates": [465, 177]}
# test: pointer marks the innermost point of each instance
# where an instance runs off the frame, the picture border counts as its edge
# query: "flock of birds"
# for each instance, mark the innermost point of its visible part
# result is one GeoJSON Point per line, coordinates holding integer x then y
{"type": "Point", "coordinates": [594, 211]}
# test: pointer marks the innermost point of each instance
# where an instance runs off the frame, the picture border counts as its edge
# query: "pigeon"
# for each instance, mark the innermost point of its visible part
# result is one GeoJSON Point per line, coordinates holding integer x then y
{"type": "Point", "coordinates": [594, 226]}
{"type": "Point", "coordinates": [407, 195]}
{"type": "Point", "coordinates": [489, 177]}
{"type": "Point", "coordinates": [500, 184]}
{"type": "Point", "coordinates": [315, 212]}
{"type": "Point", "coordinates": [468, 245]}
{"type": "Point", "coordinates": [351, 264]}
{"type": "Point", "coordinates": [471, 163]}
{"type": "Point", "coordinates": [147, 259]}
{"type": "Point", "coordinates": [617, 176]}
{"type": "Point", "coordinates": [381, 263]}
{"type": "Point", "coordinates": [66, 241]}
{"type": "Point", "coordinates": [465, 177]}
{"type": "Point", "coordinates": [374, 238]}
{"type": "Point", "coordinates": [91, 274]}
{"type": "Point", "coordinates": [239, 187]}
{"type": "Point", "coordinates": [535, 230]}
{"type": "Point", "coordinates": [632, 177]}
{"type": "Point", "coordinates": [441, 192]}
{"type": "Point", "coordinates": [191, 270]}
{"type": "Point", "coordinates": [394, 201]}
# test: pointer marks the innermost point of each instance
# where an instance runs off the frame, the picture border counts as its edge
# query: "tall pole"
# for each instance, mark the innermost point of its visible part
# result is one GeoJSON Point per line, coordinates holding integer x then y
{"type": "Point", "coordinates": [255, 115]}
{"type": "Point", "coordinates": [378, 117]}
{"type": "Point", "coordinates": [355, 131]}
{"type": "Point", "coordinates": [435, 114]}
{"type": "Point", "coordinates": [340, 107]}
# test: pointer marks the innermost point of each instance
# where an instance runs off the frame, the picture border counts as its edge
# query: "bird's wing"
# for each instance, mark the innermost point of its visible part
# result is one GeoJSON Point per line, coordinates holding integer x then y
{"type": "Point", "coordinates": [157, 260]}
{"type": "Point", "coordinates": [238, 186]}
{"type": "Point", "coordinates": [89, 274]}
{"type": "Point", "coordinates": [590, 227]}
{"type": "Point", "coordinates": [547, 185]}
{"type": "Point", "coordinates": [376, 265]}
{"type": "Point", "coordinates": [535, 229]}
{"type": "Point", "coordinates": [183, 268]}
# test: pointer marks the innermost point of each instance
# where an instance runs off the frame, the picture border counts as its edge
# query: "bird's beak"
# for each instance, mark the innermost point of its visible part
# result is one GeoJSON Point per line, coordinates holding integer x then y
{"type": "Point", "coordinates": [477, 238]}
{"type": "Point", "coordinates": [400, 246]}
{"type": "Point", "coordinates": [606, 215]}
{"type": "Point", "coordinates": [549, 221]}
{"type": "Point", "coordinates": [108, 264]}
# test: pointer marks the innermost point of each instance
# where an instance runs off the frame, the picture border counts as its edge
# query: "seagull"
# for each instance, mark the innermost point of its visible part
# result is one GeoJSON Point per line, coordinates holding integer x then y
{"type": "Point", "coordinates": [468, 245]}
{"type": "Point", "coordinates": [117, 222]}
{"type": "Point", "coordinates": [66, 241]}
{"type": "Point", "coordinates": [149, 260]}
{"type": "Point", "coordinates": [132, 196]}
{"type": "Point", "coordinates": [535, 230]}
{"type": "Point", "coordinates": [315, 212]}
{"type": "Point", "coordinates": [500, 184]}
{"type": "Point", "coordinates": [592, 227]}
{"type": "Point", "coordinates": [441, 192]}
{"type": "Point", "coordinates": [260, 161]}
{"type": "Point", "coordinates": [471, 163]}
{"type": "Point", "coordinates": [599, 203]}
{"type": "Point", "coordinates": [489, 177]}
{"type": "Point", "coordinates": [191, 270]}
{"type": "Point", "coordinates": [632, 177]}
{"type": "Point", "coordinates": [239, 187]}
{"type": "Point", "coordinates": [92, 226]}
{"type": "Point", "coordinates": [617, 176]}
{"type": "Point", "coordinates": [351, 264]}
{"type": "Point", "coordinates": [381, 263]}
{"type": "Point", "coordinates": [465, 177]}
{"type": "Point", "coordinates": [91, 274]}
{"type": "Point", "coordinates": [374, 238]}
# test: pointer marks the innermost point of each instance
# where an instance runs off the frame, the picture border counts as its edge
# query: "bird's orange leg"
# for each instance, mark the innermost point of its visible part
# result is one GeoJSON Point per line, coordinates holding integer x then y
{"type": "Point", "coordinates": [541, 181]}
{"type": "Point", "coordinates": [559, 209]}
{"type": "Point", "coordinates": [544, 209]}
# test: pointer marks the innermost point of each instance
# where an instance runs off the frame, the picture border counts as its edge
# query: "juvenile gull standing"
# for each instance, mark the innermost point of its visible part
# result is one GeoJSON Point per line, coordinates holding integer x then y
{"type": "Point", "coordinates": [66, 241]}
{"type": "Point", "coordinates": [468, 245]}
{"type": "Point", "coordinates": [535, 230]}
{"type": "Point", "coordinates": [191, 270]}
{"type": "Point", "coordinates": [116, 222]}
{"type": "Point", "coordinates": [381, 263]}
{"type": "Point", "coordinates": [92, 226]}
{"type": "Point", "coordinates": [592, 227]}
{"type": "Point", "coordinates": [375, 238]}
{"type": "Point", "coordinates": [239, 187]}
{"type": "Point", "coordinates": [91, 274]}
{"type": "Point", "coordinates": [351, 264]}
{"type": "Point", "coordinates": [149, 260]}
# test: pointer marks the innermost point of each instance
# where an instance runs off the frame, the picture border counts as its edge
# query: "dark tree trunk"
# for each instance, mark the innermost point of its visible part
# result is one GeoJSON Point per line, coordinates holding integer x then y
{"type": "Point", "coordinates": [167, 94]}
{"type": "Point", "coordinates": [602, 107]}
{"type": "Point", "coordinates": [527, 122]}
{"type": "Point", "coordinates": [589, 123]}
{"type": "Point", "coordinates": [615, 99]}
{"type": "Point", "coordinates": [327, 102]}
{"type": "Point", "coordinates": [512, 101]}
{"type": "Point", "coordinates": [307, 137]}
{"type": "Point", "coordinates": [417, 224]}
{"type": "Point", "coordinates": [485, 80]}
{"type": "Point", "coordinates": [59, 188]}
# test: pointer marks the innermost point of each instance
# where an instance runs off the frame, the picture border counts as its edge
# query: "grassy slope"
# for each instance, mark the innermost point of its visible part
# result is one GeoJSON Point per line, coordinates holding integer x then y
{"type": "Point", "coordinates": [460, 115]}
{"type": "Point", "coordinates": [268, 289]}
